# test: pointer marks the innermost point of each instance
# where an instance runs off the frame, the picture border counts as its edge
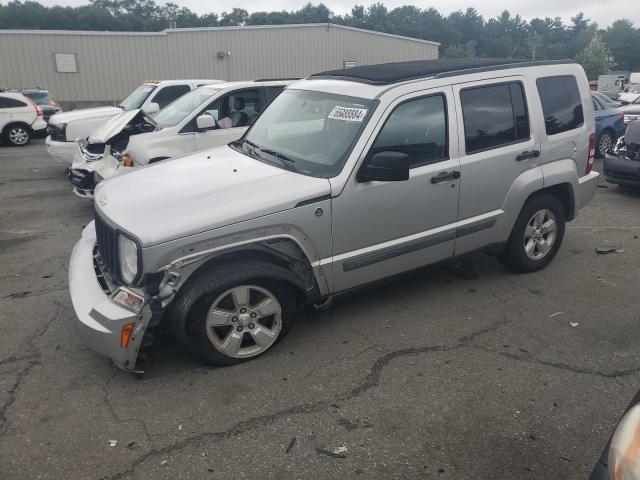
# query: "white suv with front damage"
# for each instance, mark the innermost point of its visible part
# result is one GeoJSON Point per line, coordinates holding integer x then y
{"type": "Point", "coordinates": [65, 127]}
{"type": "Point", "coordinates": [347, 178]}
{"type": "Point", "coordinates": [206, 117]}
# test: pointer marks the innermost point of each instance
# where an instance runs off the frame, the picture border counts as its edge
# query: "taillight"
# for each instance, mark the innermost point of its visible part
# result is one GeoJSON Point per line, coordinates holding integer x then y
{"type": "Point", "coordinates": [592, 153]}
{"type": "Point", "coordinates": [35, 105]}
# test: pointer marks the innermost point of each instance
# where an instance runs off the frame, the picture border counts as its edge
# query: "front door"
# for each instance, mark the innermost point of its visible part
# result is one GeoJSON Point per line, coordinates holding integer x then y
{"type": "Point", "coordinates": [233, 113]}
{"type": "Point", "coordinates": [384, 228]}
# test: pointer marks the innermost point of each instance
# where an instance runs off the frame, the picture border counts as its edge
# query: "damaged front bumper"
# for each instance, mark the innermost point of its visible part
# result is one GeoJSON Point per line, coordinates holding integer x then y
{"type": "Point", "coordinates": [102, 322]}
{"type": "Point", "coordinates": [84, 175]}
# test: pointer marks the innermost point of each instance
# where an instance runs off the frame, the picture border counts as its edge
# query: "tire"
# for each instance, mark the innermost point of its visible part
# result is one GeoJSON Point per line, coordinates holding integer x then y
{"type": "Point", "coordinates": [17, 135]}
{"type": "Point", "coordinates": [537, 212]}
{"type": "Point", "coordinates": [604, 143]}
{"type": "Point", "coordinates": [212, 337]}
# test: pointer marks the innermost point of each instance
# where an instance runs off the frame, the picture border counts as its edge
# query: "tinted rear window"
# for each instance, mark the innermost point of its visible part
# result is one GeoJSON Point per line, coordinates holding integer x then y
{"type": "Point", "coordinates": [561, 103]}
{"type": "Point", "coordinates": [494, 116]}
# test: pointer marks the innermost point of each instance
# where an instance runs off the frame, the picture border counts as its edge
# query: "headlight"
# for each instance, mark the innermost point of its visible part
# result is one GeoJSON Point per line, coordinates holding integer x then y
{"type": "Point", "coordinates": [128, 259]}
{"type": "Point", "coordinates": [87, 154]}
{"type": "Point", "coordinates": [624, 451]}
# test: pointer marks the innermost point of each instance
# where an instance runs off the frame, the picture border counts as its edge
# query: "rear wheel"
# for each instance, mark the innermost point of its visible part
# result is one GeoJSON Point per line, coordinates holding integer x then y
{"type": "Point", "coordinates": [604, 143]}
{"type": "Point", "coordinates": [536, 235]}
{"type": "Point", "coordinates": [17, 135]}
{"type": "Point", "coordinates": [234, 314]}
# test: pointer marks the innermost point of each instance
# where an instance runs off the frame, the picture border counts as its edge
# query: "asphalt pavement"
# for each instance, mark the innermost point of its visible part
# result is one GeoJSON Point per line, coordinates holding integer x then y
{"type": "Point", "coordinates": [465, 370]}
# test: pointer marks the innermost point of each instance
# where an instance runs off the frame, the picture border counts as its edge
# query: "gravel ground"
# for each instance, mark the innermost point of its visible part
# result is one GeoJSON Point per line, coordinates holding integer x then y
{"type": "Point", "coordinates": [458, 371]}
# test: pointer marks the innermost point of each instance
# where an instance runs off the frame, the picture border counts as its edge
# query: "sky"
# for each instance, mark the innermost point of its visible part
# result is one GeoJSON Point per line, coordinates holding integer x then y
{"type": "Point", "coordinates": [601, 11]}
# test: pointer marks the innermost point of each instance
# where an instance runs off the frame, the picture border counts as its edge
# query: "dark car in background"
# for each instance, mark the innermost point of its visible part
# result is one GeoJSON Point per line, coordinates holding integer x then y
{"type": "Point", "coordinates": [620, 460]}
{"type": "Point", "coordinates": [609, 125]}
{"type": "Point", "coordinates": [622, 164]}
{"type": "Point", "coordinates": [45, 100]}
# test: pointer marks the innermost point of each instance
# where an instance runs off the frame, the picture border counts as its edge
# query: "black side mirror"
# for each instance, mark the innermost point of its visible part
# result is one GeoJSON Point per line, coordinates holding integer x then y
{"type": "Point", "coordinates": [385, 166]}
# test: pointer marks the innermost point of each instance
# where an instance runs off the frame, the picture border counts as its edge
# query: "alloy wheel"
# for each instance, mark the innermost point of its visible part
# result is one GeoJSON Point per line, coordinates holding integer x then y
{"type": "Point", "coordinates": [244, 321]}
{"type": "Point", "coordinates": [18, 135]}
{"type": "Point", "coordinates": [605, 144]}
{"type": "Point", "coordinates": [540, 234]}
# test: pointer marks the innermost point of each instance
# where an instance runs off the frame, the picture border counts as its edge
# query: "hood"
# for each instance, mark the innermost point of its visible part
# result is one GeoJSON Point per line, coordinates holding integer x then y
{"type": "Point", "coordinates": [628, 97]}
{"type": "Point", "coordinates": [114, 125]}
{"type": "Point", "coordinates": [200, 192]}
{"type": "Point", "coordinates": [84, 114]}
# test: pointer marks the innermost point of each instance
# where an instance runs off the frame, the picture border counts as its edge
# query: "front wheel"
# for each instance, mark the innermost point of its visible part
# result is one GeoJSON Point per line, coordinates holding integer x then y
{"type": "Point", "coordinates": [234, 314]}
{"type": "Point", "coordinates": [17, 135]}
{"type": "Point", "coordinates": [536, 235]}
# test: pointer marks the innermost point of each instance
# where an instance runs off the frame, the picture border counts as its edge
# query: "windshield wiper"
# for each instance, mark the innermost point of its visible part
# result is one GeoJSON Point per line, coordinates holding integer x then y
{"type": "Point", "coordinates": [257, 150]}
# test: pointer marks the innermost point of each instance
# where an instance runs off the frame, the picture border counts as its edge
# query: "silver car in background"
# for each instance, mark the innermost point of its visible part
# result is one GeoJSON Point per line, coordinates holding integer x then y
{"type": "Point", "coordinates": [347, 178]}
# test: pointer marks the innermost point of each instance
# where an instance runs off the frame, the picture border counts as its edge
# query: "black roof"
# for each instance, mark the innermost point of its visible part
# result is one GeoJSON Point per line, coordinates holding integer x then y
{"type": "Point", "coordinates": [387, 73]}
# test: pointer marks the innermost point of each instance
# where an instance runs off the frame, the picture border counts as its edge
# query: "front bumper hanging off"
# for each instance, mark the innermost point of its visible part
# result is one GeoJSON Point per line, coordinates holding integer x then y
{"type": "Point", "coordinates": [99, 318]}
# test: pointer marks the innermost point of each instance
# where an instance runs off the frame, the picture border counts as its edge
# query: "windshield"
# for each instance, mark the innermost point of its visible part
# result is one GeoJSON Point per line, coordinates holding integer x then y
{"type": "Point", "coordinates": [176, 111]}
{"type": "Point", "coordinates": [635, 88]}
{"type": "Point", "coordinates": [39, 97]}
{"type": "Point", "coordinates": [308, 132]}
{"type": "Point", "coordinates": [137, 97]}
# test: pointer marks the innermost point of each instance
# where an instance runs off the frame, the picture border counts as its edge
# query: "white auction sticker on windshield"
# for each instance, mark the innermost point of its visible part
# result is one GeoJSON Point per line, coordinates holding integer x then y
{"type": "Point", "coordinates": [348, 114]}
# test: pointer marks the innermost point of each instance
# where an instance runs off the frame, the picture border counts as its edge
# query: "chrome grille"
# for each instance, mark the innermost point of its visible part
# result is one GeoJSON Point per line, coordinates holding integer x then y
{"type": "Point", "coordinates": [107, 243]}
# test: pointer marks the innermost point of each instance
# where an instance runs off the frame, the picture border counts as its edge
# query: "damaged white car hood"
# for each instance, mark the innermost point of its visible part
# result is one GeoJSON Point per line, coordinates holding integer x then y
{"type": "Point", "coordinates": [113, 126]}
{"type": "Point", "coordinates": [199, 192]}
{"type": "Point", "coordinates": [84, 114]}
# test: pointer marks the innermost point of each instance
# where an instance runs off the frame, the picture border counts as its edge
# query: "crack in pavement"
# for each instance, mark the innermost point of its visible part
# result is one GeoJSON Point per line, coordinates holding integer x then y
{"type": "Point", "coordinates": [371, 381]}
{"type": "Point", "coordinates": [615, 374]}
{"type": "Point", "coordinates": [33, 360]}
{"type": "Point", "coordinates": [116, 417]}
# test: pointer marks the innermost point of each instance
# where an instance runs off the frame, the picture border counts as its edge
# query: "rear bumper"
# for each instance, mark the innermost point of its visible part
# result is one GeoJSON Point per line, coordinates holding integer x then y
{"type": "Point", "coordinates": [587, 187]}
{"type": "Point", "coordinates": [60, 151]}
{"type": "Point", "coordinates": [99, 318]}
{"type": "Point", "coordinates": [622, 171]}
{"type": "Point", "coordinates": [39, 125]}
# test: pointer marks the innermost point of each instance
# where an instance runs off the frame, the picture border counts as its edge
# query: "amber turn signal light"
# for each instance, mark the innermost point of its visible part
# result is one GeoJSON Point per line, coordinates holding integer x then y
{"type": "Point", "coordinates": [125, 336]}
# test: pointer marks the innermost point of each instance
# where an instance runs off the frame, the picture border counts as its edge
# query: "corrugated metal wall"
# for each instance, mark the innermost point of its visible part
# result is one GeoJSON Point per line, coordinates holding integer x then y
{"type": "Point", "coordinates": [111, 64]}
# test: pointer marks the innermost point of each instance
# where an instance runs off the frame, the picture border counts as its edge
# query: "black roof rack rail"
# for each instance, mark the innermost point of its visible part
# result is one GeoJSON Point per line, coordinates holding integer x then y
{"type": "Point", "coordinates": [389, 73]}
{"type": "Point", "coordinates": [276, 79]}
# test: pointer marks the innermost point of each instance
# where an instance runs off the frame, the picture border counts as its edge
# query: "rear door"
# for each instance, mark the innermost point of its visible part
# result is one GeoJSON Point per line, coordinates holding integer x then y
{"type": "Point", "coordinates": [498, 144]}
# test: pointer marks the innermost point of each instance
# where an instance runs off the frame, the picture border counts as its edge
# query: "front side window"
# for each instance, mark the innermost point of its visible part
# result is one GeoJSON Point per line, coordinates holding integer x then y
{"type": "Point", "coordinates": [309, 132]}
{"type": "Point", "coordinates": [561, 103]}
{"type": "Point", "coordinates": [494, 116]}
{"type": "Point", "coordinates": [168, 94]}
{"type": "Point", "coordinates": [177, 111]}
{"type": "Point", "coordinates": [137, 97]}
{"type": "Point", "coordinates": [418, 128]}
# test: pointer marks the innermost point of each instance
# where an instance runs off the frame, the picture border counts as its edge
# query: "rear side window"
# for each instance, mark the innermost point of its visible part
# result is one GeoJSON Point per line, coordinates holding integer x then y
{"type": "Point", "coordinates": [418, 128]}
{"type": "Point", "coordinates": [561, 103]}
{"type": "Point", "coordinates": [168, 94]}
{"type": "Point", "coordinates": [11, 103]}
{"type": "Point", "coordinates": [494, 116]}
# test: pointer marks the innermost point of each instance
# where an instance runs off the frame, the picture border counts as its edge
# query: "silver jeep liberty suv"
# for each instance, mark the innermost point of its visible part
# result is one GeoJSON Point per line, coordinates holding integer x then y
{"type": "Point", "coordinates": [348, 177]}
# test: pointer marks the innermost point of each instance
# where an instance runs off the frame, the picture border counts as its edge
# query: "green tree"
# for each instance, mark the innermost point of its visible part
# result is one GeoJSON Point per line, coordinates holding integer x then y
{"type": "Point", "coordinates": [595, 58]}
{"type": "Point", "coordinates": [623, 41]}
{"type": "Point", "coordinates": [468, 50]}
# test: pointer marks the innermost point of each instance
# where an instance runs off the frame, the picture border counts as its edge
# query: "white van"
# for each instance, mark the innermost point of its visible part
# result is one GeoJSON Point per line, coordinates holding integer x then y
{"type": "Point", "coordinates": [64, 128]}
{"type": "Point", "coordinates": [207, 117]}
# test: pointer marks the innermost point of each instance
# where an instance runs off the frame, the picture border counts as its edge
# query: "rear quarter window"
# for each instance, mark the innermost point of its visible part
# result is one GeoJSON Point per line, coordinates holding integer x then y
{"type": "Point", "coordinates": [561, 103]}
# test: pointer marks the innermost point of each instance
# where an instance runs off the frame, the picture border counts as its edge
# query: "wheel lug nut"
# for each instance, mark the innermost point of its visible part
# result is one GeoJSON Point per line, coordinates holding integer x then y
{"type": "Point", "coordinates": [239, 328]}
{"type": "Point", "coordinates": [243, 310]}
{"type": "Point", "coordinates": [234, 319]}
{"type": "Point", "coordinates": [251, 325]}
{"type": "Point", "coordinates": [253, 315]}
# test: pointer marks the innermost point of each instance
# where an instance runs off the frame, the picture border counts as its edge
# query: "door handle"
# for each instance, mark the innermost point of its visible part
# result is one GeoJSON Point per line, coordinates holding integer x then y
{"type": "Point", "coordinates": [527, 155]}
{"type": "Point", "coordinates": [445, 176]}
